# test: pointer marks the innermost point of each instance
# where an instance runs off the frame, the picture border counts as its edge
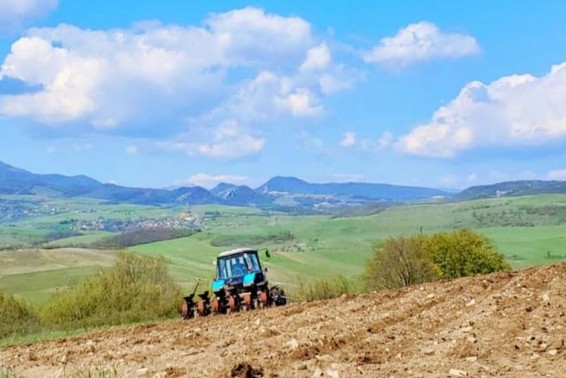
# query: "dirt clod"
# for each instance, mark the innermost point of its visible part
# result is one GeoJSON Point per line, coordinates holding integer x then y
{"type": "Point", "coordinates": [245, 370]}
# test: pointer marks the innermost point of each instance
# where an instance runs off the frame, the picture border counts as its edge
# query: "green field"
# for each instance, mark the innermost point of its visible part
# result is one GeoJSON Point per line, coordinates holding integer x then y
{"type": "Point", "coordinates": [38, 273]}
{"type": "Point", "coordinates": [527, 230]}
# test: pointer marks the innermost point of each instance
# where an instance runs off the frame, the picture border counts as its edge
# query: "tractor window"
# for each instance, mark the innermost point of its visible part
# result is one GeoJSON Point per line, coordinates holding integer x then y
{"type": "Point", "coordinates": [222, 269]}
{"type": "Point", "coordinates": [252, 262]}
{"type": "Point", "coordinates": [237, 265]}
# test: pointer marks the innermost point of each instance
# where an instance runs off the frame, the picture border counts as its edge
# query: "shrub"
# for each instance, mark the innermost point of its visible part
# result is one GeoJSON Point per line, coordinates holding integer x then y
{"type": "Point", "coordinates": [404, 261]}
{"type": "Point", "coordinates": [464, 253]}
{"type": "Point", "coordinates": [399, 262]}
{"type": "Point", "coordinates": [241, 240]}
{"type": "Point", "coordinates": [135, 289]}
{"type": "Point", "coordinates": [17, 316]}
{"type": "Point", "coordinates": [326, 289]}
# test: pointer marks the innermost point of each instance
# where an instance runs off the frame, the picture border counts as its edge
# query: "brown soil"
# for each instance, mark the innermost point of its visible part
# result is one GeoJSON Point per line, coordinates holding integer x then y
{"type": "Point", "coordinates": [503, 325]}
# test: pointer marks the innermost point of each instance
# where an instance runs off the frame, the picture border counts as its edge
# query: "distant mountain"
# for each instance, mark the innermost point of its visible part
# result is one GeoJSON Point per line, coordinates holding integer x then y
{"type": "Point", "coordinates": [512, 189]}
{"type": "Point", "coordinates": [354, 190]}
{"type": "Point", "coordinates": [287, 194]}
{"type": "Point", "coordinates": [18, 181]}
{"type": "Point", "coordinates": [241, 195]}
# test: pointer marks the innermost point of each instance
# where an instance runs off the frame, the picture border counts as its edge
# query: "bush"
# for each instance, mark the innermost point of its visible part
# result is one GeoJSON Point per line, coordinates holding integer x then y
{"type": "Point", "coordinates": [17, 316]}
{"type": "Point", "coordinates": [243, 240]}
{"type": "Point", "coordinates": [326, 289]}
{"type": "Point", "coordinates": [398, 263]}
{"type": "Point", "coordinates": [401, 261]}
{"type": "Point", "coordinates": [135, 289]}
{"type": "Point", "coordinates": [464, 253]}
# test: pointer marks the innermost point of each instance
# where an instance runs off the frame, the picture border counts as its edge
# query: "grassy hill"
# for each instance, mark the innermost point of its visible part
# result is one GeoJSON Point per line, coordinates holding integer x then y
{"type": "Point", "coordinates": [512, 189]}
{"type": "Point", "coordinates": [527, 230]}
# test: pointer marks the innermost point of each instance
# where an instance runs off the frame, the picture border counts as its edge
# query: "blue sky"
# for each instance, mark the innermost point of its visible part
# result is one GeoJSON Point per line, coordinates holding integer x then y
{"type": "Point", "coordinates": [153, 93]}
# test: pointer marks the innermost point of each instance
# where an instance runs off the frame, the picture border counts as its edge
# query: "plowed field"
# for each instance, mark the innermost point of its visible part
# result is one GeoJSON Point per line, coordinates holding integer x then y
{"type": "Point", "coordinates": [502, 325]}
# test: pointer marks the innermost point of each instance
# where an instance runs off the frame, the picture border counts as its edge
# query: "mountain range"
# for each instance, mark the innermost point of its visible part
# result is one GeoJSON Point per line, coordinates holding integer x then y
{"type": "Point", "coordinates": [284, 193]}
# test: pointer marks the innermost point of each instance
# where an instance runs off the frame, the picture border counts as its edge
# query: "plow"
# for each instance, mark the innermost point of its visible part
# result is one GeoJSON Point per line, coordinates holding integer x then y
{"type": "Point", "coordinates": [240, 284]}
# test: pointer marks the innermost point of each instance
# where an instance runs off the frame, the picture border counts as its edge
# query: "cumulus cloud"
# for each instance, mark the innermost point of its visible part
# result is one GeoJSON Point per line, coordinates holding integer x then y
{"type": "Point", "coordinates": [318, 58]}
{"type": "Point", "coordinates": [348, 140]}
{"type": "Point", "coordinates": [517, 110]}
{"type": "Point", "coordinates": [385, 140]}
{"type": "Point", "coordinates": [301, 103]}
{"type": "Point", "coordinates": [179, 82]}
{"type": "Point", "coordinates": [227, 141]}
{"type": "Point", "coordinates": [241, 145]}
{"type": "Point", "coordinates": [16, 14]}
{"type": "Point", "coordinates": [419, 42]}
{"type": "Point", "coordinates": [209, 181]}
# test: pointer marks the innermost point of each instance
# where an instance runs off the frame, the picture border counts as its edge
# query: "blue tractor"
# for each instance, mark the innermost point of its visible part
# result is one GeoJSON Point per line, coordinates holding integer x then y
{"type": "Point", "coordinates": [240, 285]}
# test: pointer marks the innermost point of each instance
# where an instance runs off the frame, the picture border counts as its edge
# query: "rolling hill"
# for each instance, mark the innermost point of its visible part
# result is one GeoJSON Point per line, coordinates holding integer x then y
{"type": "Point", "coordinates": [512, 189]}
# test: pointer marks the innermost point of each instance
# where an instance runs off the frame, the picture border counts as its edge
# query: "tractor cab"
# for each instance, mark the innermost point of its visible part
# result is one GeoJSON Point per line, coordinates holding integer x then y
{"type": "Point", "coordinates": [238, 267]}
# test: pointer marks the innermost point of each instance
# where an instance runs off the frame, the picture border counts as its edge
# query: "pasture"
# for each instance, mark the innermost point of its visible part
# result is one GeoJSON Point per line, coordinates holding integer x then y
{"type": "Point", "coordinates": [527, 230]}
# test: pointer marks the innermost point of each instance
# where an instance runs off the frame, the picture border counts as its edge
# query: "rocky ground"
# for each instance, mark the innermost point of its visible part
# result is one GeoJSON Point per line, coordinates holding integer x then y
{"type": "Point", "coordinates": [502, 325]}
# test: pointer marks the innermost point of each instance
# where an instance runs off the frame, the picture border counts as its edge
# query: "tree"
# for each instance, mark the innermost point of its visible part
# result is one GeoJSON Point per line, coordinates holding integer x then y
{"type": "Point", "coordinates": [399, 262]}
{"type": "Point", "coordinates": [463, 253]}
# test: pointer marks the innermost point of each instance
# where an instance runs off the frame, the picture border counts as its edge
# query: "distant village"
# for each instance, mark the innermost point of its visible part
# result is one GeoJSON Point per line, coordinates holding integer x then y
{"type": "Point", "coordinates": [119, 225]}
{"type": "Point", "coordinates": [18, 211]}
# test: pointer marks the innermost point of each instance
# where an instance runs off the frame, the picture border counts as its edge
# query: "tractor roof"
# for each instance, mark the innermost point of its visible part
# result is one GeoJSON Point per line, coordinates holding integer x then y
{"type": "Point", "coordinates": [236, 251]}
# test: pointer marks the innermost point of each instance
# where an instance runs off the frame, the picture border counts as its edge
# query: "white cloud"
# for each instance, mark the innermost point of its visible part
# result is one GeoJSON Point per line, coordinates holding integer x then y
{"type": "Point", "coordinates": [517, 110]}
{"type": "Point", "coordinates": [188, 80]}
{"type": "Point", "coordinates": [385, 140]}
{"type": "Point", "coordinates": [16, 14]}
{"type": "Point", "coordinates": [301, 103]}
{"type": "Point", "coordinates": [246, 37]}
{"type": "Point", "coordinates": [132, 150]}
{"type": "Point", "coordinates": [419, 42]}
{"type": "Point", "coordinates": [558, 174]}
{"type": "Point", "coordinates": [209, 181]}
{"type": "Point", "coordinates": [229, 142]}
{"type": "Point", "coordinates": [318, 58]}
{"type": "Point", "coordinates": [348, 140]}
{"type": "Point", "coordinates": [238, 146]}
